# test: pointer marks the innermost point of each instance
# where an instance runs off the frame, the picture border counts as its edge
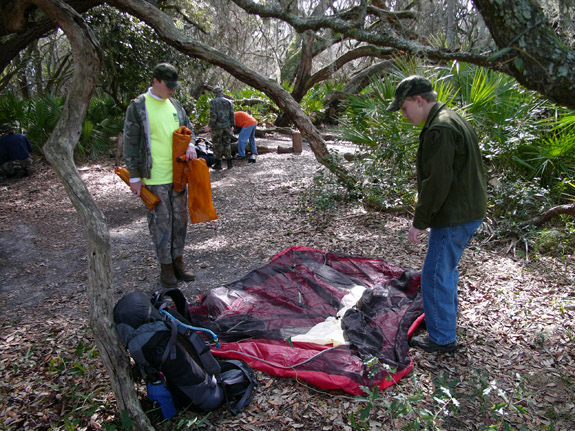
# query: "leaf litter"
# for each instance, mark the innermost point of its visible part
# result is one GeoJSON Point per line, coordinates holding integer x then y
{"type": "Point", "coordinates": [516, 321]}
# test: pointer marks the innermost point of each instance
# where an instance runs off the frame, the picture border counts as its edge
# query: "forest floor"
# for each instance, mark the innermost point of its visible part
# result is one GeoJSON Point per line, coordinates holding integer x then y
{"type": "Point", "coordinates": [515, 368]}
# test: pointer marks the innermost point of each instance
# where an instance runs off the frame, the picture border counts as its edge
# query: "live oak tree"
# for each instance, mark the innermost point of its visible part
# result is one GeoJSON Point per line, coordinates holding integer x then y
{"type": "Point", "coordinates": [537, 52]}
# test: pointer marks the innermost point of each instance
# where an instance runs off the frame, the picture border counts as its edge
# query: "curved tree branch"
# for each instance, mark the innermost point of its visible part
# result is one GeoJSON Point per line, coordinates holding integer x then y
{"type": "Point", "coordinates": [22, 25]}
{"type": "Point", "coordinates": [362, 51]}
{"type": "Point", "coordinates": [568, 209]}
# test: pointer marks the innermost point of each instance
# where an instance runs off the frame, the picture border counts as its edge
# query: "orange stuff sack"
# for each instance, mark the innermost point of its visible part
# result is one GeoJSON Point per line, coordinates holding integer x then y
{"type": "Point", "coordinates": [180, 140]}
{"type": "Point", "coordinates": [200, 202]}
{"type": "Point", "coordinates": [150, 199]}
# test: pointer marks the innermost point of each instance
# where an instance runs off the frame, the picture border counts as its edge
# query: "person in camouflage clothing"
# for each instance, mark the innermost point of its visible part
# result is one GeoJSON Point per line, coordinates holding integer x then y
{"type": "Point", "coordinates": [221, 125]}
{"type": "Point", "coordinates": [15, 148]}
{"type": "Point", "coordinates": [149, 124]}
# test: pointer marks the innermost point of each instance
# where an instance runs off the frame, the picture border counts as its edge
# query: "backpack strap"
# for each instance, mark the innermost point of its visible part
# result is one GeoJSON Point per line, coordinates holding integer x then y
{"type": "Point", "coordinates": [248, 394]}
{"type": "Point", "coordinates": [197, 345]}
{"type": "Point", "coordinates": [170, 349]}
{"type": "Point", "coordinates": [205, 357]}
{"type": "Point", "coordinates": [180, 301]}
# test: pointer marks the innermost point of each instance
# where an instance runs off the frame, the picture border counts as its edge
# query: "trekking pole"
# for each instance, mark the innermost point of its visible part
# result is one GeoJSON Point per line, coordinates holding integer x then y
{"type": "Point", "coordinates": [193, 328]}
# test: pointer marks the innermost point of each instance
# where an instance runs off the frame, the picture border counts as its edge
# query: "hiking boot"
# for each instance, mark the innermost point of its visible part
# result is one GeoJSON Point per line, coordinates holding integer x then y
{"type": "Point", "coordinates": [425, 344]}
{"type": "Point", "coordinates": [180, 270]}
{"type": "Point", "coordinates": [230, 164]}
{"type": "Point", "coordinates": [167, 276]}
{"type": "Point", "coordinates": [218, 165]}
{"type": "Point", "coordinates": [252, 159]}
{"type": "Point", "coordinates": [240, 157]}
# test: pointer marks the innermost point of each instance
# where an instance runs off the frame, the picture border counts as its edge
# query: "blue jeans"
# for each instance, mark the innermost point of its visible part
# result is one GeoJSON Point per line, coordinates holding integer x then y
{"type": "Point", "coordinates": [246, 133]}
{"type": "Point", "coordinates": [439, 279]}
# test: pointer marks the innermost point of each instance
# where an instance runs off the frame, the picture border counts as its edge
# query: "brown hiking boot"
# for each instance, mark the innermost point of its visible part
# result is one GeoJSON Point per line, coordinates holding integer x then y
{"type": "Point", "coordinates": [180, 270]}
{"type": "Point", "coordinates": [167, 276]}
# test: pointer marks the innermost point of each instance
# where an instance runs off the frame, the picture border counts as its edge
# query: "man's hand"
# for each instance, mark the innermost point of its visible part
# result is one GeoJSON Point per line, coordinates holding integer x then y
{"type": "Point", "coordinates": [207, 129]}
{"type": "Point", "coordinates": [413, 234]}
{"type": "Point", "coordinates": [136, 188]}
{"type": "Point", "coordinates": [191, 152]}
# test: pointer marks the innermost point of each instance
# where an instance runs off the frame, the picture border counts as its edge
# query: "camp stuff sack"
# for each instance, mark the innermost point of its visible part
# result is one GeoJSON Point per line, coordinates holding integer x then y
{"type": "Point", "coordinates": [174, 360]}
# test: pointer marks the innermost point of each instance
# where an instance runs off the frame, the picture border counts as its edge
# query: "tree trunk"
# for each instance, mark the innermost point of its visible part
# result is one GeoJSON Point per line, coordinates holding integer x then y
{"type": "Point", "coordinates": [530, 49]}
{"type": "Point", "coordinates": [59, 151]}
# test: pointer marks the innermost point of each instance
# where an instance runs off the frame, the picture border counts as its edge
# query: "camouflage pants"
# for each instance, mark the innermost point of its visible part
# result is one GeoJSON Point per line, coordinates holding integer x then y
{"type": "Point", "coordinates": [222, 140]}
{"type": "Point", "coordinates": [16, 168]}
{"type": "Point", "coordinates": [168, 222]}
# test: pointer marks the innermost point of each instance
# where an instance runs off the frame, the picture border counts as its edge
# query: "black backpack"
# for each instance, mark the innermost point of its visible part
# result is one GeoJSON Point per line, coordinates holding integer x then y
{"type": "Point", "coordinates": [167, 349]}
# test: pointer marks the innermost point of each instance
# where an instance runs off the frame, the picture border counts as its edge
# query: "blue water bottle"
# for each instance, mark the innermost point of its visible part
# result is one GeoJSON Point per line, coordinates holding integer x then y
{"type": "Point", "coordinates": [159, 393]}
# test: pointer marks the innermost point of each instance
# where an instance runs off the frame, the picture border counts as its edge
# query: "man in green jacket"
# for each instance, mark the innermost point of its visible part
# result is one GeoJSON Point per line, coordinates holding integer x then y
{"type": "Point", "coordinates": [452, 202]}
{"type": "Point", "coordinates": [150, 122]}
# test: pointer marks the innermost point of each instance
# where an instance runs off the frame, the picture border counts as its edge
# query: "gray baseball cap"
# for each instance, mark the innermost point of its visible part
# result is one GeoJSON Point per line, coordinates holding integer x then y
{"type": "Point", "coordinates": [167, 73]}
{"type": "Point", "coordinates": [410, 86]}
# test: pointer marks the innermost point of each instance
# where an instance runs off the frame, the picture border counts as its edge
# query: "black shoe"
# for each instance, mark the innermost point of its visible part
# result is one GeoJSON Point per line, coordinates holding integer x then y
{"type": "Point", "coordinates": [230, 163]}
{"type": "Point", "coordinates": [425, 344]}
{"type": "Point", "coordinates": [218, 165]}
{"type": "Point", "coordinates": [240, 157]}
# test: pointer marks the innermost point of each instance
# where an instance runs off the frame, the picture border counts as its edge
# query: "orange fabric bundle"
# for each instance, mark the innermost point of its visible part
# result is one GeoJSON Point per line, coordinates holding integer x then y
{"type": "Point", "coordinates": [150, 199]}
{"type": "Point", "coordinates": [200, 202]}
{"type": "Point", "coordinates": [180, 140]}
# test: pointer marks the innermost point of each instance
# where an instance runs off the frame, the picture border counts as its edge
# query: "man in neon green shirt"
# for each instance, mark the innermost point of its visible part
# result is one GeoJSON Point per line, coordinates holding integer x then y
{"type": "Point", "coordinates": [150, 122]}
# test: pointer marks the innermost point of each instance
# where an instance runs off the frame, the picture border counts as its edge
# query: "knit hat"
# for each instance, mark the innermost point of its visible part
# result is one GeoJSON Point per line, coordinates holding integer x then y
{"type": "Point", "coordinates": [217, 90]}
{"type": "Point", "coordinates": [410, 86]}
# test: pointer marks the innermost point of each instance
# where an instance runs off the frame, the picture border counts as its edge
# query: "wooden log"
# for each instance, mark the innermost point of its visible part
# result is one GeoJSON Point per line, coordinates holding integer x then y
{"type": "Point", "coordinates": [285, 150]}
{"type": "Point", "coordinates": [296, 142]}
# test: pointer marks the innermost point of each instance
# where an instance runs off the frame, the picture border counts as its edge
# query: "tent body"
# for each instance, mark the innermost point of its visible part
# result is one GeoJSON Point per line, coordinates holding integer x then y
{"type": "Point", "coordinates": [318, 317]}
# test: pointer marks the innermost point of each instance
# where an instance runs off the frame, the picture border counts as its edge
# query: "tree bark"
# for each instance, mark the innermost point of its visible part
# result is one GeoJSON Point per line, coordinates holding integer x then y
{"type": "Point", "coordinates": [59, 150]}
{"type": "Point", "coordinates": [530, 49]}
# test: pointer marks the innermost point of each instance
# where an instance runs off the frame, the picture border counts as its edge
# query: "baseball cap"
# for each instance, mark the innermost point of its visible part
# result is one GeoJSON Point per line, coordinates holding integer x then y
{"type": "Point", "coordinates": [410, 86]}
{"type": "Point", "coordinates": [167, 73]}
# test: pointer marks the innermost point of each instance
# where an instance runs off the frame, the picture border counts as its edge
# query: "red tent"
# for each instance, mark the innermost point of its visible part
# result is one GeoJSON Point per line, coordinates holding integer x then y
{"type": "Point", "coordinates": [319, 317]}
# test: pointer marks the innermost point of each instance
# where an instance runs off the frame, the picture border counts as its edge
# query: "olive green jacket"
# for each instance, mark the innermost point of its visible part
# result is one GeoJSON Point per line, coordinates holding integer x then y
{"type": "Point", "coordinates": [137, 142]}
{"type": "Point", "coordinates": [451, 182]}
{"type": "Point", "coordinates": [221, 113]}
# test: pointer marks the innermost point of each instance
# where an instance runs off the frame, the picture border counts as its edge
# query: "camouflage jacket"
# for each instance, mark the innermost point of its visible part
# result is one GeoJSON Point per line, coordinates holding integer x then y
{"type": "Point", "coordinates": [221, 113]}
{"type": "Point", "coordinates": [137, 143]}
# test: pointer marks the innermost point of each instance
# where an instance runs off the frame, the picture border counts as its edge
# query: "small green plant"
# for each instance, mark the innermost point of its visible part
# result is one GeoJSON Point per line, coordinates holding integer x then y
{"type": "Point", "coordinates": [408, 411]}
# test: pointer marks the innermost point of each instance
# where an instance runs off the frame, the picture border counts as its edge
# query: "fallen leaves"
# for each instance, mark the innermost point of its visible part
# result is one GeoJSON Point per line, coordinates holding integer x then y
{"type": "Point", "coordinates": [516, 318]}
